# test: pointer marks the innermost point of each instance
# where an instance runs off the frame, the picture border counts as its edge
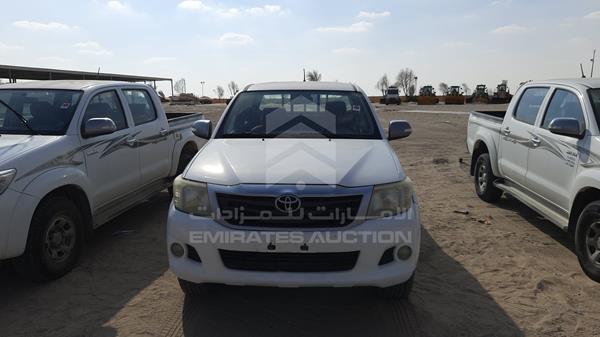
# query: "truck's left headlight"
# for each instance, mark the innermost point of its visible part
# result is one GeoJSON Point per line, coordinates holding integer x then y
{"type": "Point", "coordinates": [391, 199]}
{"type": "Point", "coordinates": [6, 177]}
{"type": "Point", "coordinates": [191, 197]}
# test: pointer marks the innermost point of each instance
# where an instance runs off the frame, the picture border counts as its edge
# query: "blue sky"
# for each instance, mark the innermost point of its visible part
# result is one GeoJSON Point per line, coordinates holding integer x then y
{"type": "Point", "coordinates": [351, 41]}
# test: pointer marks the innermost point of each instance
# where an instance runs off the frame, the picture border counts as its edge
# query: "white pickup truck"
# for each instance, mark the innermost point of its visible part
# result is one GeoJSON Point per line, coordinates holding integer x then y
{"type": "Point", "coordinates": [298, 186]}
{"type": "Point", "coordinates": [75, 154]}
{"type": "Point", "coordinates": [545, 151]}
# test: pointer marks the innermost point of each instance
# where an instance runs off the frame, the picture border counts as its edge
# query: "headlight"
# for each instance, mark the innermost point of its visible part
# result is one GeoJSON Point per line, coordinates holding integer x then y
{"type": "Point", "coordinates": [391, 199]}
{"type": "Point", "coordinates": [6, 177]}
{"type": "Point", "coordinates": [191, 197]}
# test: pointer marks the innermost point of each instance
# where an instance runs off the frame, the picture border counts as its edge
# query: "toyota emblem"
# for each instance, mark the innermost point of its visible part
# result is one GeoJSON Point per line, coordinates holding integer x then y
{"type": "Point", "coordinates": [287, 203]}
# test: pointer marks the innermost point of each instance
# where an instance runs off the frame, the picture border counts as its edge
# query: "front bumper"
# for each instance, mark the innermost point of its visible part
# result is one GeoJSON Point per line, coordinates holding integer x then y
{"type": "Point", "coordinates": [366, 272]}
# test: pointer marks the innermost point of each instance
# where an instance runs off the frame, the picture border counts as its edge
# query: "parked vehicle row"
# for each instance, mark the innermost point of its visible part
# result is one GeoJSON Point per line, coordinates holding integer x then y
{"type": "Point", "coordinates": [545, 151]}
{"type": "Point", "coordinates": [75, 154]}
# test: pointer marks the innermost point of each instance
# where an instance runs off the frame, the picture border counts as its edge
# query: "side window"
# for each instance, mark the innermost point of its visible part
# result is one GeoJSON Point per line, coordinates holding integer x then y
{"type": "Point", "coordinates": [140, 105]}
{"type": "Point", "coordinates": [529, 104]}
{"type": "Point", "coordinates": [106, 105]}
{"type": "Point", "coordinates": [563, 104]}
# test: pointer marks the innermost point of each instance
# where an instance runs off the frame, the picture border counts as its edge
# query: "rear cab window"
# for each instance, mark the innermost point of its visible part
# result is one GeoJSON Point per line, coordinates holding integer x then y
{"type": "Point", "coordinates": [529, 104]}
{"type": "Point", "coordinates": [141, 106]}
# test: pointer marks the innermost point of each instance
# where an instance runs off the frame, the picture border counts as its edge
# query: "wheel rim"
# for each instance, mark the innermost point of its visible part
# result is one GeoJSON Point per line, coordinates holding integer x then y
{"type": "Point", "coordinates": [59, 239]}
{"type": "Point", "coordinates": [482, 177]}
{"type": "Point", "coordinates": [593, 244]}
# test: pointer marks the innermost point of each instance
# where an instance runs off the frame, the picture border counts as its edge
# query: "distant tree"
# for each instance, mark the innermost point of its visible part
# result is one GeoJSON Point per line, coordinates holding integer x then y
{"type": "Point", "coordinates": [233, 88]}
{"type": "Point", "coordinates": [406, 79]}
{"type": "Point", "coordinates": [444, 89]}
{"type": "Point", "coordinates": [383, 84]}
{"type": "Point", "coordinates": [466, 89]}
{"type": "Point", "coordinates": [220, 92]}
{"type": "Point", "coordinates": [412, 90]}
{"type": "Point", "coordinates": [314, 76]}
{"type": "Point", "coordinates": [179, 86]}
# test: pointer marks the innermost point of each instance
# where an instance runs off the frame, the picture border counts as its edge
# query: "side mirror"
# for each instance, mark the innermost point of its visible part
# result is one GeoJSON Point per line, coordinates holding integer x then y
{"type": "Point", "coordinates": [399, 130]}
{"type": "Point", "coordinates": [567, 127]}
{"type": "Point", "coordinates": [98, 126]}
{"type": "Point", "coordinates": [202, 128]}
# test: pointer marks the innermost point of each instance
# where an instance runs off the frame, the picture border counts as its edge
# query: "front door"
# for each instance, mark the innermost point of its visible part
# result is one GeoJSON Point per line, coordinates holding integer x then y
{"type": "Point", "coordinates": [112, 161]}
{"type": "Point", "coordinates": [554, 158]}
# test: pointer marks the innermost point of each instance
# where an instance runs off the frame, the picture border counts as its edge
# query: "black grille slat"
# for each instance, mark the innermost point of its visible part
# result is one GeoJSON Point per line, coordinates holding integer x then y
{"type": "Point", "coordinates": [252, 206]}
{"type": "Point", "coordinates": [289, 262]}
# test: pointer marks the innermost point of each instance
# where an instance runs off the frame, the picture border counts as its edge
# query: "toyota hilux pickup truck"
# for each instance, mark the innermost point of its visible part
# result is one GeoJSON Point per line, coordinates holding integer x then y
{"type": "Point", "coordinates": [297, 186]}
{"type": "Point", "coordinates": [545, 151]}
{"type": "Point", "coordinates": [74, 155]}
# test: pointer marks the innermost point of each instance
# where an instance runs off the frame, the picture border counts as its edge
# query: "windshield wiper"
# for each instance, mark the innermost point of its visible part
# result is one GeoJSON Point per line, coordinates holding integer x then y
{"type": "Point", "coordinates": [19, 116]}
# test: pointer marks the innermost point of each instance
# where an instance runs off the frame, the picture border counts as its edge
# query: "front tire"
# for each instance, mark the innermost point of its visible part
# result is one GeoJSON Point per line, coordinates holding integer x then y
{"type": "Point", "coordinates": [484, 180]}
{"type": "Point", "coordinates": [54, 242]}
{"type": "Point", "coordinates": [587, 240]}
{"type": "Point", "coordinates": [400, 291]}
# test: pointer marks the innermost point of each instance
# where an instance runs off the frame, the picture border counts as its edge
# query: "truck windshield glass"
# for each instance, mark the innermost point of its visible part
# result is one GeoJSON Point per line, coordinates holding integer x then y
{"type": "Point", "coordinates": [299, 114]}
{"type": "Point", "coordinates": [595, 99]}
{"type": "Point", "coordinates": [48, 112]}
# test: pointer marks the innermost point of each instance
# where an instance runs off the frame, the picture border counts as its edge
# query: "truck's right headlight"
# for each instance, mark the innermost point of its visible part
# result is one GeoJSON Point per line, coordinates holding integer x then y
{"type": "Point", "coordinates": [191, 197]}
{"type": "Point", "coordinates": [6, 177]}
{"type": "Point", "coordinates": [391, 199]}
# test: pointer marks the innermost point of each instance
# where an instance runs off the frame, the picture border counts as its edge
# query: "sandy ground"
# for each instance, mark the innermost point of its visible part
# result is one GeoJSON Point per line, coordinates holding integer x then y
{"type": "Point", "coordinates": [500, 270]}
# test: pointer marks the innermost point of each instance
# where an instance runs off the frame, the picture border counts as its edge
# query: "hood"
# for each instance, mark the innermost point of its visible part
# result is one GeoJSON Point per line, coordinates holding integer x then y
{"type": "Point", "coordinates": [12, 146]}
{"type": "Point", "coordinates": [345, 162]}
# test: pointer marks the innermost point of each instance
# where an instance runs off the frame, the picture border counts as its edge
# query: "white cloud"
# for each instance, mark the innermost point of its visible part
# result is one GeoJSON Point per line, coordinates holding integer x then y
{"type": "Point", "coordinates": [116, 6]}
{"type": "Point", "coordinates": [158, 59]}
{"type": "Point", "coordinates": [6, 47]}
{"type": "Point", "coordinates": [41, 26]}
{"type": "Point", "coordinates": [373, 15]}
{"type": "Point", "coordinates": [266, 9]}
{"type": "Point", "coordinates": [347, 51]}
{"type": "Point", "coordinates": [236, 39]}
{"type": "Point", "coordinates": [229, 13]}
{"type": "Point", "coordinates": [510, 29]}
{"type": "Point", "coordinates": [593, 16]}
{"type": "Point", "coordinates": [92, 48]}
{"type": "Point", "coordinates": [456, 44]}
{"type": "Point", "coordinates": [357, 27]}
{"type": "Point", "coordinates": [193, 5]}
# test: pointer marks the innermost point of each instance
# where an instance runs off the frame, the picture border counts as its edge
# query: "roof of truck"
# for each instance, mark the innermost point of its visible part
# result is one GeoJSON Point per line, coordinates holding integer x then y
{"type": "Point", "coordinates": [63, 84]}
{"type": "Point", "coordinates": [583, 82]}
{"type": "Point", "coordinates": [334, 86]}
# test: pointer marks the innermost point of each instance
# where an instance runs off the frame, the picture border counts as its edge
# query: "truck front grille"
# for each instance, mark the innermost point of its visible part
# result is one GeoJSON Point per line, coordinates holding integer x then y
{"type": "Point", "coordinates": [315, 212]}
{"type": "Point", "coordinates": [289, 262]}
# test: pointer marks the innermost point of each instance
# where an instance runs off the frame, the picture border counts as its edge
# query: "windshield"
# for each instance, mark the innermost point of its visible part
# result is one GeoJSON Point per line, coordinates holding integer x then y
{"type": "Point", "coordinates": [47, 112]}
{"type": "Point", "coordinates": [392, 92]}
{"type": "Point", "coordinates": [299, 114]}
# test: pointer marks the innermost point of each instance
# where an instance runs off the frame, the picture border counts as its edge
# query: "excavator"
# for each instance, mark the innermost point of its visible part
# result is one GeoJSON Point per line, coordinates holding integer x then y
{"type": "Point", "coordinates": [427, 96]}
{"type": "Point", "coordinates": [455, 95]}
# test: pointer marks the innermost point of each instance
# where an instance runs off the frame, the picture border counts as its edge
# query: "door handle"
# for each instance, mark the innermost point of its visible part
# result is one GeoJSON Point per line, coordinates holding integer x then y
{"type": "Point", "coordinates": [163, 132]}
{"type": "Point", "coordinates": [131, 142]}
{"type": "Point", "coordinates": [535, 141]}
{"type": "Point", "coordinates": [506, 131]}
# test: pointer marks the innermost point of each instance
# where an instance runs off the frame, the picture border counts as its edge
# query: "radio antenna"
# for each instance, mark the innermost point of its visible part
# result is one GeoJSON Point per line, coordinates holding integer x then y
{"type": "Point", "coordinates": [582, 73]}
{"type": "Point", "coordinates": [593, 60]}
